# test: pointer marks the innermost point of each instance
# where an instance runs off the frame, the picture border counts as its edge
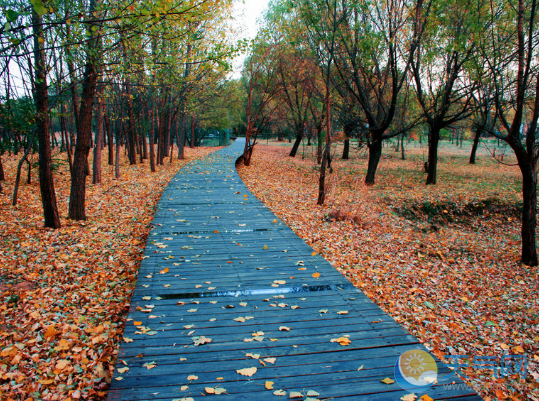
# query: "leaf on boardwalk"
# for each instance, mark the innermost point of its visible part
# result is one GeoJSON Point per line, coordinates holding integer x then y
{"type": "Point", "coordinates": [247, 371]}
{"type": "Point", "coordinates": [387, 380]}
{"type": "Point", "coordinates": [316, 275]}
{"type": "Point", "coordinates": [215, 390]}
{"type": "Point", "coordinates": [284, 328]}
{"type": "Point", "coordinates": [192, 377]}
{"type": "Point", "coordinates": [265, 247]}
{"type": "Point", "coordinates": [269, 385]}
{"type": "Point", "coordinates": [312, 393]}
{"type": "Point", "coordinates": [254, 356]}
{"type": "Point", "coordinates": [342, 340]}
{"type": "Point", "coordinates": [201, 340]}
{"type": "Point", "coordinates": [270, 360]}
{"type": "Point", "coordinates": [409, 397]}
{"type": "Point", "coordinates": [295, 394]}
{"type": "Point", "coordinates": [279, 392]}
{"type": "Point", "coordinates": [149, 365]}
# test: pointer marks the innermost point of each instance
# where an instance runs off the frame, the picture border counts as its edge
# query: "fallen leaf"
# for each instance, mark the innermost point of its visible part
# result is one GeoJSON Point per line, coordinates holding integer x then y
{"type": "Point", "coordinates": [387, 380]}
{"type": "Point", "coordinates": [269, 385]}
{"type": "Point", "coordinates": [247, 371]}
{"type": "Point", "coordinates": [409, 397]}
{"type": "Point", "coordinates": [279, 392]}
{"type": "Point", "coordinates": [342, 340]}
{"type": "Point", "coordinates": [192, 377]}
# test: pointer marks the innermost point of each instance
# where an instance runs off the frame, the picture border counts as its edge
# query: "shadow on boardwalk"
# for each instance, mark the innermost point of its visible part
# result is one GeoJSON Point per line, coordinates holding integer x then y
{"type": "Point", "coordinates": [226, 286]}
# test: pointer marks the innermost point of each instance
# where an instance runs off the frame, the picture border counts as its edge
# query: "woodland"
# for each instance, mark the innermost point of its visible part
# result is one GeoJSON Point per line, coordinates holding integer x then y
{"type": "Point", "coordinates": [397, 137]}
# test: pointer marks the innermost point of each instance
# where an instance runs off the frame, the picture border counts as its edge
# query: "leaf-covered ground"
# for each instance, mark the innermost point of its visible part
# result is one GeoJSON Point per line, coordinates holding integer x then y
{"type": "Point", "coordinates": [442, 260]}
{"type": "Point", "coordinates": [65, 293]}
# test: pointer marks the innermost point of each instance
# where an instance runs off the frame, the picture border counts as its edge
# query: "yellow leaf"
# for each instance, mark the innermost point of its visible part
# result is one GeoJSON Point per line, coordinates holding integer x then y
{"type": "Point", "coordinates": [518, 349]}
{"type": "Point", "coordinates": [192, 377]}
{"type": "Point", "coordinates": [123, 370]}
{"type": "Point", "coordinates": [265, 247]}
{"type": "Point", "coordinates": [313, 254]}
{"type": "Point", "coordinates": [387, 380]}
{"type": "Point", "coordinates": [316, 275]}
{"type": "Point", "coordinates": [504, 346]}
{"type": "Point", "coordinates": [426, 397]}
{"type": "Point", "coordinates": [270, 360]}
{"type": "Point", "coordinates": [247, 371]}
{"type": "Point", "coordinates": [342, 340]}
{"type": "Point", "coordinates": [274, 221]}
{"type": "Point", "coordinates": [269, 385]}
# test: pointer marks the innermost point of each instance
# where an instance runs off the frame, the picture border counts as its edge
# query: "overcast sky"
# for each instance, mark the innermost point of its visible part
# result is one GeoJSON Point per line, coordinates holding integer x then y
{"type": "Point", "coordinates": [247, 13]}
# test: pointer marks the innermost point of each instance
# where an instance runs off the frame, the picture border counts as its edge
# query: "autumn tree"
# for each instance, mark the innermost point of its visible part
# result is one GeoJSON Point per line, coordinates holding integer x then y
{"type": "Point", "coordinates": [509, 45]}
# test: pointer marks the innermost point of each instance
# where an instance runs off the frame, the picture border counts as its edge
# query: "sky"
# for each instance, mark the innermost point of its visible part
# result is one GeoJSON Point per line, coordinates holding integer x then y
{"type": "Point", "coordinates": [247, 13]}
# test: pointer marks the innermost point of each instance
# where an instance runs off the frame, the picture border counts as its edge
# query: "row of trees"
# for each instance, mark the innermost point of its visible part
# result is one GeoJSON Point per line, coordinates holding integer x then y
{"type": "Point", "coordinates": [377, 69]}
{"type": "Point", "coordinates": [134, 72]}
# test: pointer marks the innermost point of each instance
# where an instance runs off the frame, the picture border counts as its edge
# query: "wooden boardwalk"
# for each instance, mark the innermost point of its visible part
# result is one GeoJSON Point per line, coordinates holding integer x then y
{"type": "Point", "coordinates": [223, 272]}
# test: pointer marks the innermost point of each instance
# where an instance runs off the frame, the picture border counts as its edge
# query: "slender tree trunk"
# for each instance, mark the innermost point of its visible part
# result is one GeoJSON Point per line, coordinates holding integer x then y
{"type": "Point", "coordinates": [326, 158]}
{"type": "Point", "coordinates": [529, 214]}
{"type": "Point", "coordinates": [98, 143]}
{"type": "Point", "coordinates": [152, 136]}
{"type": "Point", "coordinates": [475, 145]}
{"type": "Point", "coordinates": [402, 147]}
{"type": "Point", "coordinates": [375, 153]}
{"type": "Point", "coordinates": [322, 180]}
{"type": "Point", "coordinates": [117, 154]}
{"type": "Point", "coordinates": [110, 139]}
{"type": "Point", "coordinates": [433, 155]}
{"type": "Point", "coordinates": [2, 174]}
{"type": "Point", "coordinates": [77, 198]}
{"type": "Point", "coordinates": [297, 142]}
{"type": "Point", "coordinates": [46, 182]}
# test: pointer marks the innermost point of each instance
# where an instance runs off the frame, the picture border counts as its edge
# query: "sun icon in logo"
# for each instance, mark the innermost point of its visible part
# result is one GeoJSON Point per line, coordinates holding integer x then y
{"type": "Point", "coordinates": [415, 365]}
{"type": "Point", "coordinates": [416, 369]}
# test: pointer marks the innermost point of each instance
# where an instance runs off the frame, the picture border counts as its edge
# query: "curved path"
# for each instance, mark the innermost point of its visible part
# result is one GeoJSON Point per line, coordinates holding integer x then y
{"type": "Point", "coordinates": [226, 286]}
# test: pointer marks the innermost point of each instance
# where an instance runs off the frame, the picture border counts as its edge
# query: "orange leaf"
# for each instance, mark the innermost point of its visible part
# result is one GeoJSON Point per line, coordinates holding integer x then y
{"type": "Point", "coordinates": [50, 332]}
{"type": "Point", "coordinates": [316, 275]}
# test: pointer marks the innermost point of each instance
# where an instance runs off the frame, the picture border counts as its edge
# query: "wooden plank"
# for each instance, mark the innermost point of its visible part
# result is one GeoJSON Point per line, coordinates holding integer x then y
{"type": "Point", "coordinates": [215, 255]}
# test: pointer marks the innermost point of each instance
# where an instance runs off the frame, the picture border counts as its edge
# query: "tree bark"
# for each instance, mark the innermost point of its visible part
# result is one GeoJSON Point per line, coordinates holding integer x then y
{"type": "Point", "coordinates": [346, 150]}
{"type": "Point", "coordinates": [46, 182]}
{"type": "Point", "coordinates": [475, 145]}
{"type": "Point", "coordinates": [98, 143]}
{"type": "Point", "coordinates": [110, 139]}
{"type": "Point", "coordinates": [77, 198]}
{"type": "Point", "coordinates": [433, 154]}
{"type": "Point", "coordinates": [297, 142]}
{"type": "Point", "coordinates": [529, 215]}
{"type": "Point", "coordinates": [375, 153]}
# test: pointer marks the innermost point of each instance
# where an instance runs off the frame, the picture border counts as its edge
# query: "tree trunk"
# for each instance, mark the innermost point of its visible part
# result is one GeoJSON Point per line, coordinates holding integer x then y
{"type": "Point", "coordinates": [375, 153]}
{"type": "Point", "coordinates": [77, 198]}
{"type": "Point", "coordinates": [98, 143]}
{"type": "Point", "coordinates": [46, 183]}
{"type": "Point", "coordinates": [346, 150]}
{"type": "Point", "coordinates": [299, 137]}
{"type": "Point", "coordinates": [153, 120]}
{"type": "Point", "coordinates": [402, 147]}
{"type": "Point", "coordinates": [110, 139]}
{"type": "Point", "coordinates": [322, 181]}
{"type": "Point", "coordinates": [2, 174]}
{"type": "Point", "coordinates": [475, 145]}
{"type": "Point", "coordinates": [529, 215]}
{"type": "Point", "coordinates": [433, 155]}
